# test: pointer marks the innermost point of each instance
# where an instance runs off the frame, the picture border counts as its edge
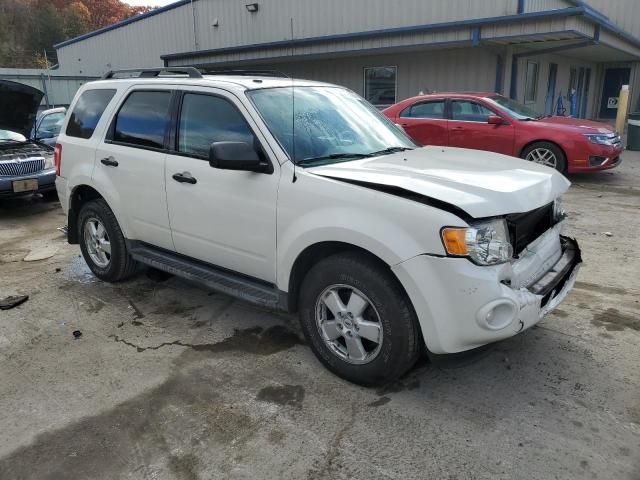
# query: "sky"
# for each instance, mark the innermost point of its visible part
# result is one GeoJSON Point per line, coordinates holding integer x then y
{"type": "Point", "coordinates": [152, 3]}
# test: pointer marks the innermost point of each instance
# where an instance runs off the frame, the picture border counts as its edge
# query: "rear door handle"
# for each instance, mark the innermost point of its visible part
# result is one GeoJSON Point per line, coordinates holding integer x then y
{"type": "Point", "coordinates": [184, 177]}
{"type": "Point", "coordinates": [109, 162]}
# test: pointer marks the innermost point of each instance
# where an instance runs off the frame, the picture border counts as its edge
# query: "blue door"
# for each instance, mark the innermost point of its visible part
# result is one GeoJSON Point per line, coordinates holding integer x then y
{"type": "Point", "coordinates": [614, 78]}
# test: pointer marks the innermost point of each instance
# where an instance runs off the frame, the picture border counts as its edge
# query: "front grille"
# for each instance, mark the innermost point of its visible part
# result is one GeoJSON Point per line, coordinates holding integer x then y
{"type": "Point", "coordinates": [524, 228]}
{"type": "Point", "coordinates": [18, 167]}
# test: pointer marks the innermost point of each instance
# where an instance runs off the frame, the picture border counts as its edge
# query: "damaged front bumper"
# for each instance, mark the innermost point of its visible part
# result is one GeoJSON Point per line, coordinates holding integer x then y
{"type": "Point", "coordinates": [462, 306]}
{"type": "Point", "coordinates": [546, 293]}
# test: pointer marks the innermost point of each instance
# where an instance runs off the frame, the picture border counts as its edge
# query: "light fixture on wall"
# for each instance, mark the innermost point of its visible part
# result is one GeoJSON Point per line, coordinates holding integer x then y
{"type": "Point", "coordinates": [252, 7]}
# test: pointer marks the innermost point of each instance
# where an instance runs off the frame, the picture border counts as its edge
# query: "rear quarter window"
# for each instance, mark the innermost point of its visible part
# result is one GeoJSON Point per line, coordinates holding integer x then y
{"type": "Point", "coordinates": [143, 119]}
{"type": "Point", "coordinates": [87, 112]}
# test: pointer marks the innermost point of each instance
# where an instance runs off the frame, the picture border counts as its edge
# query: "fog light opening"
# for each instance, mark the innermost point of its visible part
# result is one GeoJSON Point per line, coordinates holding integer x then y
{"type": "Point", "coordinates": [498, 314]}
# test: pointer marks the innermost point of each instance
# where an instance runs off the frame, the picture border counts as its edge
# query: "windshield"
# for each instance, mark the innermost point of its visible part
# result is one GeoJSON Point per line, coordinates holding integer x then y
{"type": "Point", "coordinates": [515, 109]}
{"type": "Point", "coordinates": [331, 124]}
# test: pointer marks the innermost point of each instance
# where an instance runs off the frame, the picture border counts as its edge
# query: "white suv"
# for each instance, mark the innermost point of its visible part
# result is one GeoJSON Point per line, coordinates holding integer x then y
{"type": "Point", "coordinates": [301, 196]}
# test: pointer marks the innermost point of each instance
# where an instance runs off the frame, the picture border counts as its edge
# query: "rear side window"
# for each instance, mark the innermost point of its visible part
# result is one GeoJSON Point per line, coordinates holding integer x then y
{"type": "Point", "coordinates": [87, 112]}
{"type": "Point", "coordinates": [143, 119]}
{"type": "Point", "coordinates": [205, 119]}
{"type": "Point", "coordinates": [425, 110]}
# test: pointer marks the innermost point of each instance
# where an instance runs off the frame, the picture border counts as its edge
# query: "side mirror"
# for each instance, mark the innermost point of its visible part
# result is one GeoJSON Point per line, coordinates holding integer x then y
{"type": "Point", "coordinates": [495, 120]}
{"type": "Point", "coordinates": [234, 156]}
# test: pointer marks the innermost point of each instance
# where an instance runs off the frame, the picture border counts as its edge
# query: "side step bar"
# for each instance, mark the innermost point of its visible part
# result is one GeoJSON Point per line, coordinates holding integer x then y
{"type": "Point", "coordinates": [216, 278]}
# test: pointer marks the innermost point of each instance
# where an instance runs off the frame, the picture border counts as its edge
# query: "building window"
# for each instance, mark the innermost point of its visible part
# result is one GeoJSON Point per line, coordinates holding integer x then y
{"type": "Point", "coordinates": [380, 85]}
{"type": "Point", "coordinates": [531, 83]}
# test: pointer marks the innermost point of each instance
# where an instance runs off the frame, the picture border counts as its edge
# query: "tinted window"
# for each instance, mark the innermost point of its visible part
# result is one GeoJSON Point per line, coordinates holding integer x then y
{"type": "Point", "coordinates": [142, 119]}
{"type": "Point", "coordinates": [380, 85]}
{"type": "Point", "coordinates": [425, 110]}
{"type": "Point", "coordinates": [87, 112]}
{"type": "Point", "coordinates": [206, 119]}
{"type": "Point", "coordinates": [469, 111]}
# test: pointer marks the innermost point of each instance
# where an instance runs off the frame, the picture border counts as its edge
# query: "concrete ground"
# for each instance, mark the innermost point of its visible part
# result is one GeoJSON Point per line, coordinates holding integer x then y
{"type": "Point", "coordinates": [169, 381]}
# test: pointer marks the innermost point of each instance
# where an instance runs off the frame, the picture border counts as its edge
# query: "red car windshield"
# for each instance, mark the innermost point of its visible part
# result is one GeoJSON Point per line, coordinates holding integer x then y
{"type": "Point", "coordinates": [513, 108]}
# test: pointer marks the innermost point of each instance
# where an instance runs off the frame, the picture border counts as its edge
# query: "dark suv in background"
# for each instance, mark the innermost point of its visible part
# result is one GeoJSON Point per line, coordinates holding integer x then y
{"type": "Point", "coordinates": [26, 163]}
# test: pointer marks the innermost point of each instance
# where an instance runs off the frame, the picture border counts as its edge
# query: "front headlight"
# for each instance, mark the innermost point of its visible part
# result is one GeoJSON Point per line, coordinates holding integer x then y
{"type": "Point", "coordinates": [600, 139]}
{"type": "Point", "coordinates": [485, 243]}
{"type": "Point", "coordinates": [48, 161]}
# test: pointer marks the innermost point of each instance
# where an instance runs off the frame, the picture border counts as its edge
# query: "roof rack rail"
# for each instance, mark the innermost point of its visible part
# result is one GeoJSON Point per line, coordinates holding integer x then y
{"type": "Point", "coordinates": [262, 73]}
{"type": "Point", "coordinates": [192, 72]}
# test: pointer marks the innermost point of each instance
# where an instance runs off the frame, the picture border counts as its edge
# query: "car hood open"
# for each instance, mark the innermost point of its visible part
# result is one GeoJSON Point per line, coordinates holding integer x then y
{"type": "Point", "coordinates": [18, 107]}
{"type": "Point", "coordinates": [482, 184]}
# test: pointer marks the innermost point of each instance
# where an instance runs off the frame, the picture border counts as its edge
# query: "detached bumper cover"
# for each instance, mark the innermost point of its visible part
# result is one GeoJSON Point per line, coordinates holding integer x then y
{"type": "Point", "coordinates": [458, 303]}
{"type": "Point", "coordinates": [557, 282]}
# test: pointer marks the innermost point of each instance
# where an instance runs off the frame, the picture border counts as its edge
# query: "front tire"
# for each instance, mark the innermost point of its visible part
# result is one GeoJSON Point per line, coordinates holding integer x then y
{"type": "Point", "coordinates": [546, 153]}
{"type": "Point", "coordinates": [102, 243]}
{"type": "Point", "coordinates": [358, 320]}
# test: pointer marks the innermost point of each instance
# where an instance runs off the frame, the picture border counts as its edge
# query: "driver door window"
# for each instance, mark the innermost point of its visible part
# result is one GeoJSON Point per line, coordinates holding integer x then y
{"type": "Point", "coordinates": [205, 119]}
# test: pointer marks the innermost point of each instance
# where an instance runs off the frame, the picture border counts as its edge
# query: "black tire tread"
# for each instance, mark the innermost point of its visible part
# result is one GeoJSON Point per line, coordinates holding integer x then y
{"type": "Point", "coordinates": [562, 158]}
{"type": "Point", "coordinates": [369, 269]}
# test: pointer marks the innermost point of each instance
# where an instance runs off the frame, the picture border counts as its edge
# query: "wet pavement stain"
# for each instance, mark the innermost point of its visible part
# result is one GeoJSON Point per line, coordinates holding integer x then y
{"type": "Point", "coordinates": [184, 467]}
{"type": "Point", "coordinates": [183, 409]}
{"type": "Point", "coordinates": [615, 321]}
{"type": "Point", "coordinates": [285, 395]}
{"type": "Point", "coordinates": [176, 308]}
{"type": "Point", "coordinates": [399, 386]}
{"type": "Point", "coordinates": [253, 340]}
{"type": "Point", "coordinates": [594, 287]}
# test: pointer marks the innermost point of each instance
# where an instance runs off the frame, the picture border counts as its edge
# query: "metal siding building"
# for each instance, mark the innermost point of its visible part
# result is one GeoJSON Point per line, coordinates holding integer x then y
{"type": "Point", "coordinates": [59, 89]}
{"type": "Point", "coordinates": [532, 50]}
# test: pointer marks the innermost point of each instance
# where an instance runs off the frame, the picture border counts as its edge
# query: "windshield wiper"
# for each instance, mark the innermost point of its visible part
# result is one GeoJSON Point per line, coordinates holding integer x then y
{"type": "Point", "coordinates": [333, 156]}
{"type": "Point", "coordinates": [389, 151]}
{"type": "Point", "coordinates": [351, 156]}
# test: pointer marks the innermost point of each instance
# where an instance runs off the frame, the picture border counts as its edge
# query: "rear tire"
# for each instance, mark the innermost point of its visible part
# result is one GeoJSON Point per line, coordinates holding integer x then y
{"type": "Point", "coordinates": [373, 339]}
{"type": "Point", "coordinates": [102, 243]}
{"type": "Point", "coordinates": [546, 153]}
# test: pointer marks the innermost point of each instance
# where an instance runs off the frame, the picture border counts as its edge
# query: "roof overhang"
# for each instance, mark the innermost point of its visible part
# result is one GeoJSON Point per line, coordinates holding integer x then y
{"type": "Point", "coordinates": [574, 24]}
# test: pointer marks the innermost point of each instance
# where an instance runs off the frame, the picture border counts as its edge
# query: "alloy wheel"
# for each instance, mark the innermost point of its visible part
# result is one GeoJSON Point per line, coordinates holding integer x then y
{"type": "Point", "coordinates": [97, 242]}
{"type": "Point", "coordinates": [543, 156]}
{"type": "Point", "coordinates": [349, 324]}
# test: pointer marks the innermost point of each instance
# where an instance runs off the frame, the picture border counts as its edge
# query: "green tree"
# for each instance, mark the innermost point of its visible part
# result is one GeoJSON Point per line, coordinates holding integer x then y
{"type": "Point", "coordinates": [47, 29]}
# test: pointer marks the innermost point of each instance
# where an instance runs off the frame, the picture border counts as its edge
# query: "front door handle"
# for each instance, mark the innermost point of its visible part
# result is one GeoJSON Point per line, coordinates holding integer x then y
{"type": "Point", "coordinates": [184, 177]}
{"type": "Point", "coordinates": [457, 128]}
{"type": "Point", "coordinates": [109, 162]}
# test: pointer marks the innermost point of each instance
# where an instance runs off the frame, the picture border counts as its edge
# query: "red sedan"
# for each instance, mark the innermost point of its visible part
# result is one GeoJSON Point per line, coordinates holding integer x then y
{"type": "Point", "coordinates": [487, 121]}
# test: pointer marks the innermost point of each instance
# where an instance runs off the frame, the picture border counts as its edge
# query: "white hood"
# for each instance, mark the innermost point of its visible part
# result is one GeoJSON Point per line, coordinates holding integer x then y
{"type": "Point", "coordinates": [483, 184]}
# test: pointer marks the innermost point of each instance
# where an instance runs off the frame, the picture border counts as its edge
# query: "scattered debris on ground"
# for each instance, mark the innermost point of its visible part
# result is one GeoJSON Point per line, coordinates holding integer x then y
{"type": "Point", "coordinates": [41, 253]}
{"type": "Point", "coordinates": [13, 301]}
